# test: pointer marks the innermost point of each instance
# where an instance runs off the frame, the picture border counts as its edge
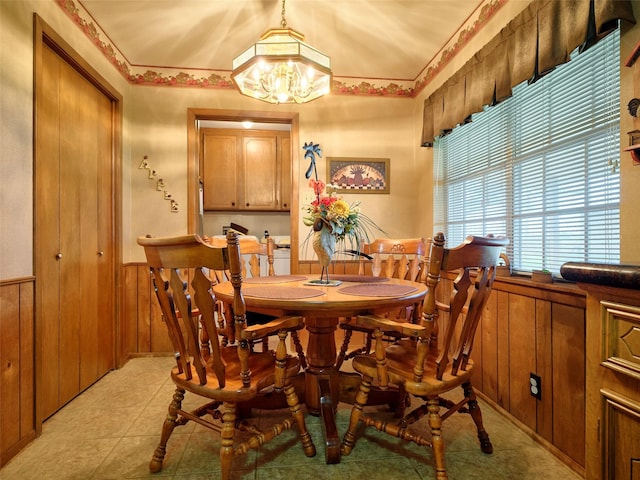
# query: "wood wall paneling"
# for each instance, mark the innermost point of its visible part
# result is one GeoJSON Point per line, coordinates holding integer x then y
{"type": "Point", "coordinates": [144, 318]}
{"type": "Point", "coordinates": [522, 358]}
{"type": "Point", "coordinates": [10, 355]}
{"type": "Point", "coordinates": [544, 368]}
{"type": "Point", "coordinates": [503, 361]}
{"type": "Point", "coordinates": [142, 329]}
{"type": "Point", "coordinates": [568, 353]}
{"type": "Point", "coordinates": [542, 331]}
{"type": "Point", "coordinates": [488, 358]}
{"type": "Point", "coordinates": [17, 374]}
{"type": "Point", "coordinates": [128, 336]}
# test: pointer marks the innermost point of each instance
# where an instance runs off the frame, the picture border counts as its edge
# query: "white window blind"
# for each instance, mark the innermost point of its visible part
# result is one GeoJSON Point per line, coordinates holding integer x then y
{"type": "Point", "coordinates": [541, 167]}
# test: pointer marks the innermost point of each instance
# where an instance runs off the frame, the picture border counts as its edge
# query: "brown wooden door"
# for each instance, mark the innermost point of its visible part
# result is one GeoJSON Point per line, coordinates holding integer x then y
{"type": "Point", "coordinates": [74, 224]}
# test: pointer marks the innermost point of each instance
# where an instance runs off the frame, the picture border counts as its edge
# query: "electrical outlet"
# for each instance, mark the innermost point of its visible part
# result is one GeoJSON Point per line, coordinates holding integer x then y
{"type": "Point", "coordinates": [535, 386]}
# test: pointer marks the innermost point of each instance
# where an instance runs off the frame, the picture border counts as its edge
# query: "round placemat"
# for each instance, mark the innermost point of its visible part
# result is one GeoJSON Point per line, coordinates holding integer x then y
{"type": "Point", "coordinates": [359, 278]}
{"type": "Point", "coordinates": [377, 290]}
{"type": "Point", "coordinates": [275, 279]}
{"type": "Point", "coordinates": [281, 293]}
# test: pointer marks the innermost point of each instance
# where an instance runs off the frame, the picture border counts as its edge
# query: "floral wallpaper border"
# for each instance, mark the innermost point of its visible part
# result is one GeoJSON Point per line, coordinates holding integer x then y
{"type": "Point", "coordinates": [141, 75]}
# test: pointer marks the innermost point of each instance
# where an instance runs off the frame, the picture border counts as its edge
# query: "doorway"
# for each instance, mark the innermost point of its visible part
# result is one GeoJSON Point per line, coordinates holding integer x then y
{"type": "Point", "coordinates": [194, 119]}
{"type": "Point", "coordinates": [76, 214]}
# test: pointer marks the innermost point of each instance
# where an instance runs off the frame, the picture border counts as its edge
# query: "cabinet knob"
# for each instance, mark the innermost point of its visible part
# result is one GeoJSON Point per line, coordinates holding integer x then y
{"type": "Point", "coordinates": [233, 204]}
{"type": "Point", "coordinates": [246, 205]}
{"type": "Point", "coordinates": [58, 255]}
{"type": "Point", "coordinates": [100, 253]}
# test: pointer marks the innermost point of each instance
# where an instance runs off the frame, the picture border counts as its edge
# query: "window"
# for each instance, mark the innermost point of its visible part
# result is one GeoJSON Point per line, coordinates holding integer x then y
{"type": "Point", "coordinates": [541, 167]}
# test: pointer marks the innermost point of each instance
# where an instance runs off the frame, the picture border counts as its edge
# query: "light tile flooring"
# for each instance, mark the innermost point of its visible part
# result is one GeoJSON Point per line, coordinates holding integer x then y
{"type": "Point", "coordinates": [111, 430]}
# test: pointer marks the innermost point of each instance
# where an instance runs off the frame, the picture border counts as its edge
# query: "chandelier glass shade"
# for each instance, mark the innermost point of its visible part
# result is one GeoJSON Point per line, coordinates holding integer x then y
{"type": "Point", "coordinates": [282, 68]}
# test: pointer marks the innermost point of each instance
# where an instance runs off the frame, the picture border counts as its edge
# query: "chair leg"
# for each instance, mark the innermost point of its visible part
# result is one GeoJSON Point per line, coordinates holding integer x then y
{"type": "Point", "coordinates": [227, 432]}
{"type": "Point", "coordinates": [400, 405]}
{"type": "Point", "coordinates": [294, 406]}
{"type": "Point", "coordinates": [356, 413]}
{"type": "Point", "coordinates": [437, 442]}
{"type": "Point", "coordinates": [167, 429]}
{"type": "Point", "coordinates": [343, 348]}
{"type": "Point", "coordinates": [476, 415]}
{"type": "Point", "coordinates": [299, 350]}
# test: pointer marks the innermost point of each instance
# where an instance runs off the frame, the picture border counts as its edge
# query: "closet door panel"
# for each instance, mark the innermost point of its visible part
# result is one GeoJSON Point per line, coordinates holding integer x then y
{"type": "Point", "coordinates": [47, 241]}
{"type": "Point", "coordinates": [89, 343]}
{"type": "Point", "coordinates": [106, 238]}
{"type": "Point", "coordinates": [72, 214]}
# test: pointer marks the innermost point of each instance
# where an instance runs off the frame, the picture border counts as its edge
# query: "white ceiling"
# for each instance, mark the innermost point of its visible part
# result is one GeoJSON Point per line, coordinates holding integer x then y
{"type": "Point", "coordinates": [383, 39]}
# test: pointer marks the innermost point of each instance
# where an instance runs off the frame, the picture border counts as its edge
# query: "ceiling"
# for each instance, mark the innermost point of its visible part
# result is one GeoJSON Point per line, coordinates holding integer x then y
{"type": "Point", "coordinates": [372, 39]}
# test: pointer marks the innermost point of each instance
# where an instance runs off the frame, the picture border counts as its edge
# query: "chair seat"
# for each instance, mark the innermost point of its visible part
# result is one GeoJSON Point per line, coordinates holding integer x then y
{"type": "Point", "coordinates": [401, 359]}
{"type": "Point", "coordinates": [261, 365]}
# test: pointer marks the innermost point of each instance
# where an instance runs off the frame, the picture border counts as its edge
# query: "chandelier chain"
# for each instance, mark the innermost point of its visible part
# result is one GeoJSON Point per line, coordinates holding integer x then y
{"type": "Point", "coordinates": [284, 20]}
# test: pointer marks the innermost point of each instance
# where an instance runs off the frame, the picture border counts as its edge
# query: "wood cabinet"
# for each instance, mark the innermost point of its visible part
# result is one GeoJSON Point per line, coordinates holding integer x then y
{"type": "Point", "coordinates": [246, 170]}
{"type": "Point", "coordinates": [613, 369]}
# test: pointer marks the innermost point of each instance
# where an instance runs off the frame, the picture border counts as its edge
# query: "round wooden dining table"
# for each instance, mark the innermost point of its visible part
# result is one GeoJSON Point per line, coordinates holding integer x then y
{"type": "Point", "coordinates": [322, 308]}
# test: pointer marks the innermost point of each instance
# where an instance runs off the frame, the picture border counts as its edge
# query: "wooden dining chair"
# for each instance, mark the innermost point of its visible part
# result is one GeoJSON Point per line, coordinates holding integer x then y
{"type": "Point", "coordinates": [228, 375]}
{"type": "Point", "coordinates": [253, 254]}
{"type": "Point", "coordinates": [385, 258]}
{"type": "Point", "coordinates": [424, 369]}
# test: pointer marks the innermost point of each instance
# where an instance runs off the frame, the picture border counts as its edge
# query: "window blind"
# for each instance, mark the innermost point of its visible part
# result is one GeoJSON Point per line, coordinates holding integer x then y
{"type": "Point", "coordinates": [540, 167]}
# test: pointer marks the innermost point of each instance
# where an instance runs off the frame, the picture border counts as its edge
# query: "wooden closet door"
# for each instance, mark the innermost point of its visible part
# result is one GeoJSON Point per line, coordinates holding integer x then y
{"type": "Point", "coordinates": [73, 224]}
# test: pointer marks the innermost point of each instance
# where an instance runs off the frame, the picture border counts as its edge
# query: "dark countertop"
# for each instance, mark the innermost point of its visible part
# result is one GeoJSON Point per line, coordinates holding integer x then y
{"type": "Point", "coordinates": [620, 276]}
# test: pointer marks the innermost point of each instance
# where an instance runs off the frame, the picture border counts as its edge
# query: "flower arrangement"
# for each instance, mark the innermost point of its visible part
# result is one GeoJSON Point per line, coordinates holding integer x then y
{"type": "Point", "coordinates": [332, 219]}
{"type": "Point", "coordinates": [343, 220]}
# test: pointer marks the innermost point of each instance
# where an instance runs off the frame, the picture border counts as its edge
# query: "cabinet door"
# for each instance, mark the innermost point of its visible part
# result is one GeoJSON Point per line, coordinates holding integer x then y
{"type": "Point", "coordinates": [284, 201]}
{"type": "Point", "coordinates": [260, 167]}
{"type": "Point", "coordinates": [219, 170]}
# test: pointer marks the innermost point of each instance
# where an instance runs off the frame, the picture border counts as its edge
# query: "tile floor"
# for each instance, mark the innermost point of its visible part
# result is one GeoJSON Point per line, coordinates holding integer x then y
{"type": "Point", "coordinates": [111, 430]}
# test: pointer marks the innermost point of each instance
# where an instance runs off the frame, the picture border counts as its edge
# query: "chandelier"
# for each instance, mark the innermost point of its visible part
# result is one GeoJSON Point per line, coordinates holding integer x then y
{"type": "Point", "coordinates": [282, 68]}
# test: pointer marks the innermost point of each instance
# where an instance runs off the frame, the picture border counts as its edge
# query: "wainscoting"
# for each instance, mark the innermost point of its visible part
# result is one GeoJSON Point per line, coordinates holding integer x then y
{"type": "Point", "coordinates": [536, 328]}
{"type": "Point", "coordinates": [527, 328]}
{"type": "Point", "coordinates": [17, 361]}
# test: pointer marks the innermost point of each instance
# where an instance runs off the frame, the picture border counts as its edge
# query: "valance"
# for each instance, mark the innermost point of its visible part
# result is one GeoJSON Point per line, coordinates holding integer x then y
{"type": "Point", "coordinates": [531, 45]}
